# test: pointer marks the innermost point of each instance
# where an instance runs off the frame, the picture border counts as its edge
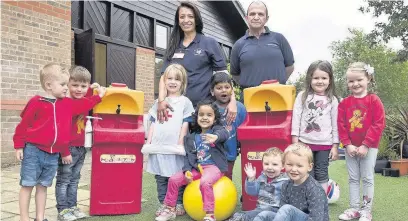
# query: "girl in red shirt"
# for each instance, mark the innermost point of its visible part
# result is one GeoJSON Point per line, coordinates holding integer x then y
{"type": "Point", "coordinates": [361, 121]}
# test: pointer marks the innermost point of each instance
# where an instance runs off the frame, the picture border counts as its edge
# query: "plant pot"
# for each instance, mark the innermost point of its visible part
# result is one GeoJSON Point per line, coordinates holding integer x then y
{"type": "Point", "coordinates": [405, 151]}
{"type": "Point", "coordinates": [401, 165]}
{"type": "Point", "coordinates": [380, 165]}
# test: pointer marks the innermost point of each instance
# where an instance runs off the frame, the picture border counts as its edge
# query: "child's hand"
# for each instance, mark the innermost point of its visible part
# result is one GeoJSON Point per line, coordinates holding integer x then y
{"type": "Point", "coordinates": [180, 142]}
{"type": "Point", "coordinates": [250, 172]}
{"type": "Point", "coordinates": [95, 86]}
{"type": "Point", "coordinates": [362, 151]}
{"type": "Point", "coordinates": [189, 176]}
{"type": "Point", "coordinates": [209, 138]}
{"type": "Point", "coordinates": [19, 154]}
{"type": "Point", "coordinates": [101, 91]}
{"type": "Point", "coordinates": [67, 159]}
{"type": "Point", "coordinates": [200, 169]}
{"type": "Point", "coordinates": [351, 150]}
{"type": "Point", "coordinates": [334, 153]}
{"type": "Point", "coordinates": [295, 139]}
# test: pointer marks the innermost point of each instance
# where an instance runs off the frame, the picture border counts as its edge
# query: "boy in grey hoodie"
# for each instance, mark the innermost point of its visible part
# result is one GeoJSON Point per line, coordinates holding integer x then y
{"type": "Point", "coordinates": [267, 187]}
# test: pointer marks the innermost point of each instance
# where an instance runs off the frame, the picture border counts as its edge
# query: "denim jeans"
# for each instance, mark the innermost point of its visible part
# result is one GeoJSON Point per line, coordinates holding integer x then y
{"type": "Point", "coordinates": [265, 216]}
{"type": "Point", "coordinates": [290, 213]}
{"type": "Point", "coordinates": [68, 176]}
{"type": "Point", "coordinates": [258, 214]}
{"type": "Point", "coordinates": [38, 166]}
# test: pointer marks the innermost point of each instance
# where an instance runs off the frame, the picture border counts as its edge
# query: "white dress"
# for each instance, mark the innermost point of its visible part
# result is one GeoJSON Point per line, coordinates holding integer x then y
{"type": "Point", "coordinates": [168, 134]}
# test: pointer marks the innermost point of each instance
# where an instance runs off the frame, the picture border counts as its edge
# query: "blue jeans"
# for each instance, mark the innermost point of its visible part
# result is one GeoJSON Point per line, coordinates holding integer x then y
{"type": "Point", "coordinates": [290, 213]}
{"type": "Point", "coordinates": [37, 167]}
{"type": "Point", "coordinates": [265, 216]}
{"type": "Point", "coordinates": [257, 214]}
{"type": "Point", "coordinates": [68, 176]}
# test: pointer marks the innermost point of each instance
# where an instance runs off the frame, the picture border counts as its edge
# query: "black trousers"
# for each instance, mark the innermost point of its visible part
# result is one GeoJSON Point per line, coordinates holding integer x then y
{"type": "Point", "coordinates": [162, 183]}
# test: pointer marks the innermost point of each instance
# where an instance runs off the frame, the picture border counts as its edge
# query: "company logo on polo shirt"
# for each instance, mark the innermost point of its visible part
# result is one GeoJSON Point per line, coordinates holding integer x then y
{"type": "Point", "coordinates": [198, 51]}
{"type": "Point", "coordinates": [273, 44]}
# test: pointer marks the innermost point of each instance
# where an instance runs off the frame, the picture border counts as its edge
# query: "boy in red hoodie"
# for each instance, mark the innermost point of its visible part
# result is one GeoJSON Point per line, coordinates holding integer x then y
{"type": "Point", "coordinates": [44, 133]}
{"type": "Point", "coordinates": [68, 175]}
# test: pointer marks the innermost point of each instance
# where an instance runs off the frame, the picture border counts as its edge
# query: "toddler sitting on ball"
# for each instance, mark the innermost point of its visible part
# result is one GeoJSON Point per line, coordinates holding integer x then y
{"type": "Point", "coordinates": [205, 153]}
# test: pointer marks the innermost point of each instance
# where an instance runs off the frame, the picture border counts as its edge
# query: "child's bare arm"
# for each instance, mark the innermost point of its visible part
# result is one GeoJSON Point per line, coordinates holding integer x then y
{"type": "Point", "coordinates": [183, 133]}
{"type": "Point", "coordinates": [150, 134]}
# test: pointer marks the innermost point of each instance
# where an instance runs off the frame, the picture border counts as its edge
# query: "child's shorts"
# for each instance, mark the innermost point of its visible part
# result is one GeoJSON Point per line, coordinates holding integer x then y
{"type": "Point", "coordinates": [38, 167]}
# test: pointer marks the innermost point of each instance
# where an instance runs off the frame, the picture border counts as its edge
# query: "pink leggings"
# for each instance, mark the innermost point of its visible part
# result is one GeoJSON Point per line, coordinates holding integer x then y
{"type": "Point", "coordinates": [211, 174]}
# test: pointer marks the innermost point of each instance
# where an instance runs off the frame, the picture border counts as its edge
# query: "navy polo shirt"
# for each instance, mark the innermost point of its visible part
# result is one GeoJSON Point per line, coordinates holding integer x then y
{"type": "Point", "coordinates": [257, 60]}
{"type": "Point", "coordinates": [201, 58]}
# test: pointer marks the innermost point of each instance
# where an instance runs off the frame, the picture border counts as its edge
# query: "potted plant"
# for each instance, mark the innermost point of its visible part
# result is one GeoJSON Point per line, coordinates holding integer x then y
{"type": "Point", "coordinates": [397, 126]}
{"type": "Point", "coordinates": [384, 155]}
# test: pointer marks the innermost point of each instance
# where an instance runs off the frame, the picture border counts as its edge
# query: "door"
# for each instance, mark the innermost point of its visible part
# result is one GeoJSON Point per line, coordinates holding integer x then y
{"type": "Point", "coordinates": [85, 50]}
{"type": "Point", "coordinates": [121, 65]}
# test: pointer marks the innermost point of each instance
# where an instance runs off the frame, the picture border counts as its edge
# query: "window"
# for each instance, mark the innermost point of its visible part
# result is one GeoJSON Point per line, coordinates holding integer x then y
{"type": "Point", "coordinates": [161, 36]}
{"type": "Point", "coordinates": [157, 74]}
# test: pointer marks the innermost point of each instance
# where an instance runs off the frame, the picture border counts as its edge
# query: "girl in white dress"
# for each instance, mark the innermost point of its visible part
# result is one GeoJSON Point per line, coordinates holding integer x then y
{"type": "Point", "coordinates": [165, 140]}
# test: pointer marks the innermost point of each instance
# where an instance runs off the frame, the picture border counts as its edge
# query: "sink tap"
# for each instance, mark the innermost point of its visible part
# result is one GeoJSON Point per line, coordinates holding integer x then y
{"type": "Point", "coordinates": [118, 110]}
{"type": "Point", "coordinates": [267, 107]}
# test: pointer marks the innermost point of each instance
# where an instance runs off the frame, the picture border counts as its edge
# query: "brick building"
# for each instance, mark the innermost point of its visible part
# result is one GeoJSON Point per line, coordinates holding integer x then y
{"type": "Point", "coordinates": [118, 41]}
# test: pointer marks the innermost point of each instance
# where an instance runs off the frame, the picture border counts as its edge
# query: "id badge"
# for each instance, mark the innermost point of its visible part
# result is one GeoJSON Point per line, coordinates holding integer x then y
{"type": "Point", "coordinates": [178, 55]}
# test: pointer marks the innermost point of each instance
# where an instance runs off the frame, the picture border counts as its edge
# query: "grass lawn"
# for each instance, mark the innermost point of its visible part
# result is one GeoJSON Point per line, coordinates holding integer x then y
{"type": "Point", "coordinates": [390, 201]}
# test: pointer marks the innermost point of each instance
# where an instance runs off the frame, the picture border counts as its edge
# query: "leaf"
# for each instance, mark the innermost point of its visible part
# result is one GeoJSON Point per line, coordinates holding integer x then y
{"type": "Point", "coordinates": [396, 25]}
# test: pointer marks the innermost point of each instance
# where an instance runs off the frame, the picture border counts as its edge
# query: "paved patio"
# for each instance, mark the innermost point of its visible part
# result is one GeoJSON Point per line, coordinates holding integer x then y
{"type": "Point", "coordinates": [10, 189]}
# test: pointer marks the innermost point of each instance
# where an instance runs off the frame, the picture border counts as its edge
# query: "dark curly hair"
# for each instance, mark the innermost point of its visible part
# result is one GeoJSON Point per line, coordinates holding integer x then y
{"type": "Point", "coordinates": [217, 121]}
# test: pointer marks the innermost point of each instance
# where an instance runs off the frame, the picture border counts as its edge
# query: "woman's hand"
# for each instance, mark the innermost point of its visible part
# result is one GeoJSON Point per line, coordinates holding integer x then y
{"type": "Point", "coordinates": [162, 114]}
{"type": "Point", "coordinates": [231, 111]}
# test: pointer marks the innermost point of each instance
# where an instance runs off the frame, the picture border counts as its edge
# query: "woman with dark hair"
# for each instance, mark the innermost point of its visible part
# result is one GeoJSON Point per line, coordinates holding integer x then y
{"type": "Point", "coordinates": [200, 55]}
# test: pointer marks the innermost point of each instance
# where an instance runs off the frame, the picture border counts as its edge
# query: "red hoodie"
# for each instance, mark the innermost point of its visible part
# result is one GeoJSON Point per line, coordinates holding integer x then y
{"type": "Point", "coordinates": [78, 126]}
{"type": "Point", "coordinates": [361, 121]}
{"type": "Point", "coordinates": [46, 122]}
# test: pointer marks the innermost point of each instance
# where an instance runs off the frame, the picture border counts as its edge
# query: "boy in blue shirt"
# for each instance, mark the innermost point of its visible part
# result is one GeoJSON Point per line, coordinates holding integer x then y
{"type": "Point", "coordinates": [221, 90]}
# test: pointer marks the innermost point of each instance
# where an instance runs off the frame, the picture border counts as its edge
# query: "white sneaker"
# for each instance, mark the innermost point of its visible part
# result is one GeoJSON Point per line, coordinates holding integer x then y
{"type": "Point", "coordinates": [365, 216]}
{"type": "Point", "coordinates": [66, 215]}
{"type": "Point", "coordinates": [350, 214]}
{"type": "Point", "coordinates": [166, 215]}
{"type": "Point", "coordinates": [161, 208]}
{"type": "Point", "coordinates": [78, 213]}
